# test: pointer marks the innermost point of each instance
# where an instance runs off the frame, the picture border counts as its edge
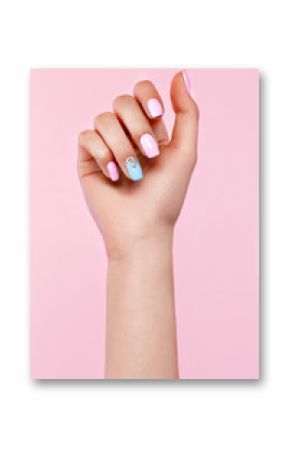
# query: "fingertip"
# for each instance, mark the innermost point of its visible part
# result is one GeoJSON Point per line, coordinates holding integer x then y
{"type": "Point", "coordinates": [182, 80]}
{"type": "Point", "coordinates": [113, 171]}
{"type": "Point", "coordinates": [187, 81]}
{"type": "Point", "coordinates": [186, 114]}
{"type": "Point", "coordinates": [149, 146]}
{"type": "Point", "coordinates": [181, 93]}
{"type": "Point", "coordinates": [148, 96]}
{"type": "Point", "coordinates": [154, 108]}
{"type": "Point", "coordinates": [134, 169]}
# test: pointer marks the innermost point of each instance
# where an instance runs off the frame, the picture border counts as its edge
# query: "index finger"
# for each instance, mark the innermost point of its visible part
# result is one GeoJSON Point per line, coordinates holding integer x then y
{"type": "Point", "coordinates": [149, 98]}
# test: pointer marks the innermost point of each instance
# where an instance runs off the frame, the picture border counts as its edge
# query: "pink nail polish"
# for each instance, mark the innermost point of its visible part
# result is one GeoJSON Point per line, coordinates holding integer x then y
{"type": "Point", "coordinates": [187, 81]}
{"type": "Point", "coordinates": [113, 171]}
{"type": "Point", "coordinates": [149, 145]}
{"type": "Point", "coordinates": [154, 108]}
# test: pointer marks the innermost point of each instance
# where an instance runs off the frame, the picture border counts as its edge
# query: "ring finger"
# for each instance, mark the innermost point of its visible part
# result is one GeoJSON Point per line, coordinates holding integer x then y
{"type": "Point", "coordinates": [109, 127]}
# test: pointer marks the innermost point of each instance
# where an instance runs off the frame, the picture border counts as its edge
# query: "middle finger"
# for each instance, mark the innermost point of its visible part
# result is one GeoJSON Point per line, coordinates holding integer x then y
{"type": "Point", "coordinates": [133, 118]}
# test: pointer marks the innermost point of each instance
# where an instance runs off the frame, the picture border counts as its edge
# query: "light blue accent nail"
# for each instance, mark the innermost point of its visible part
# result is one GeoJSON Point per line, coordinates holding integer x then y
{"type": "Point", "coordinates": [134, 168]}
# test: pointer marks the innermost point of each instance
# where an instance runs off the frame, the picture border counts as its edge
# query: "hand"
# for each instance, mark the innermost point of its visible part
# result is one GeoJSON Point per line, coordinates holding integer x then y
{"type": "Point", "coordinates": [133, 176]}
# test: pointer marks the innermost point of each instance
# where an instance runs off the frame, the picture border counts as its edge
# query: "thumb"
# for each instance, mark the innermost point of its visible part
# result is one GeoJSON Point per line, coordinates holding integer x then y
{"type": "Point", "coordinates": [184, 135]}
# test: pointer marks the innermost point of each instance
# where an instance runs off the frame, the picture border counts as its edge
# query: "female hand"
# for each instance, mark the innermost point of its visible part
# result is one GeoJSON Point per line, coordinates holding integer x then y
{"type": "Point", "coordinates": [133, 176]}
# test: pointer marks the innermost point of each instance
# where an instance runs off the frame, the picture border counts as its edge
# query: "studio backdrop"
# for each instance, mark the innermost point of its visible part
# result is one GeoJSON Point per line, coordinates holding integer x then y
{"type": "Point", "coordinates": [216, 238]}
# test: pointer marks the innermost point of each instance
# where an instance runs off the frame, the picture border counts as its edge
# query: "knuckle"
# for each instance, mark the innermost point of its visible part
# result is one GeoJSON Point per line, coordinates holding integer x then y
{"type": "Point", "coordinates": [101, 154]}
{"type": "Point", "coordinates": [143, 85]}
{"type": "Point", "coordinates": [122, 100]}
{"type": "Point", "coordinates": [83, 136]}
{"type": "Point", "coordinates": [104, 117]}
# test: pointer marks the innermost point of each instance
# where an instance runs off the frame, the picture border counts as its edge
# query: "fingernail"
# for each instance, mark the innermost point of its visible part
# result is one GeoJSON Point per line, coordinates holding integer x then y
{"type": "Point", "coordinates": [134, 168]}
{"type": "Point", "coordinates": [149, 145]}
{"type": "Point", "coordinates": [187, 81]}
{"type": "Point", "coordinates": [113, 171]}
{"type": "Point", "coordinates": [154, 108]}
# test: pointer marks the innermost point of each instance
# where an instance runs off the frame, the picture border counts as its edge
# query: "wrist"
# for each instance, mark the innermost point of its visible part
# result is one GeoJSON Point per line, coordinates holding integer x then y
{"type": "Point", "coordinates": [153, 240]}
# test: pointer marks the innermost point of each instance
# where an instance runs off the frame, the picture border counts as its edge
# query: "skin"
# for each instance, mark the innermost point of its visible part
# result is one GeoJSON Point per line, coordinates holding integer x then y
{"type": "Point", "coordinates": [137, 221]}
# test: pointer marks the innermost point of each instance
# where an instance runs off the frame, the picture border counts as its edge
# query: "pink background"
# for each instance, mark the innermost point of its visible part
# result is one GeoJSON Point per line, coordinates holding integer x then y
{"type": "Point", "coordinates": [216, 242]}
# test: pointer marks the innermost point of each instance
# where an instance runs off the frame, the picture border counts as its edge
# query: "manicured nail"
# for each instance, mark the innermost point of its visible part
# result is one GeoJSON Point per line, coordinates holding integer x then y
{"type": "Point", "coordinates": [134, 168]}
{"type": "Point", "coordinates": [154, 108]}
{"type": "Point", "coordinates": [149, 145]}
{"type": "Point", "coordinates": [113, 171]}
{"type": "Point", "coordinates": [187, 81]}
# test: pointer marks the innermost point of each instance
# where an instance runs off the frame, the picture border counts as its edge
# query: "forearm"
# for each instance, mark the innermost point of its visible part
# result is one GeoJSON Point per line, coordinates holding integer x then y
{"type": "Point", "coordinates": [141, 333]}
